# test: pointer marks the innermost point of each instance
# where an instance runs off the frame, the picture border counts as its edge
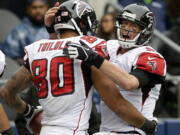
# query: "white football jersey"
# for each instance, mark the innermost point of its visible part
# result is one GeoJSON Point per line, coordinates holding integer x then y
{"type": "Point", "coordinates": [2, 62]}
{"type": "Point", "coordinates": [145, 58]}
{"type": "Point", "coordinates": [63, 84]}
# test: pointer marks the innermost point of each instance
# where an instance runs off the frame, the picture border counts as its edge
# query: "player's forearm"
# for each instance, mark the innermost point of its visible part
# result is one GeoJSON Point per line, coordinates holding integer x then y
{"type": "Point", "coordinates": [12, 100]}
{"type": "Point", "coordinates": [18, 82]}
{"type": "Point", "coordinates": [4, 122]}
{"type": "Point", "coordinates": [120, 106]}
{"type": "Point", "coordinates": [18, 104]}
{"type": "Point", "coordinates": [9, 91]}
{"type": "Point", "coordinates": [119, 76]}
{"type": "Point", "coordinates": [114, 100]}
{"type": "Point", "coordinates": [129, 113]}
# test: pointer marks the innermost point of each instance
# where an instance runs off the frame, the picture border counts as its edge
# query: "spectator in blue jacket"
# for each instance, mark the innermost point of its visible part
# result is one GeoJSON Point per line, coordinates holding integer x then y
{"type": "Point", "coordinates": [31, 29]}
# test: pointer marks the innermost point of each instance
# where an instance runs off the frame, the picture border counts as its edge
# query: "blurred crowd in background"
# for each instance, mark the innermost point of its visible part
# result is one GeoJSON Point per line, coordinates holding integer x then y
{"type": "Point", "coordinates": [22, 23]}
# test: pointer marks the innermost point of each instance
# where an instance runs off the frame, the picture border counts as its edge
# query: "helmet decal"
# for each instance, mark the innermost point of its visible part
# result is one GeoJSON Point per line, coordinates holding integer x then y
{"type": "Point", "coordinates": [75, 15]}
{"type": "Point", "coordinates": [82, 8]}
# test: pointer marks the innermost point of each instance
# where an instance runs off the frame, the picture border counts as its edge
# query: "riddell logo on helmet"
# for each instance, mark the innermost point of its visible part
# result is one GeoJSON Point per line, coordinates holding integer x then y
{"type": "Point", "coordinates": [126, 14]}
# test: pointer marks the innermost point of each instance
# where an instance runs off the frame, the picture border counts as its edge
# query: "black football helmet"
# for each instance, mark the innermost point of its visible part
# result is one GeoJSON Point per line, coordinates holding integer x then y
{"type": "Point", "coordinates": [140, 15]}
{"type": "Point", "coordinates": [76, 15]}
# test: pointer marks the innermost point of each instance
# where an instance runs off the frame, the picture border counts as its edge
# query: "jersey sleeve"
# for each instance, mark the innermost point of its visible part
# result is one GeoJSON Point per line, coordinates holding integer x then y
{"type": "Point", "coordinates": [26, 60]}
{"type": "Point", "coordinates": [98, 45]}
{"type": "Point", "coordinates": [152, 63]}
{"type": "Point", "coordinates": [2, 63]}
{"type": "Point", "coordinates": [146, 78]}
{"type": "Point", "coordinates": [112, 48]}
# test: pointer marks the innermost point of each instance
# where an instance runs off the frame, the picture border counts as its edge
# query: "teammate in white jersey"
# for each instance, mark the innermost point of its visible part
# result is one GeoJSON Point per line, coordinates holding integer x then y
{"type": "Point", "coordinates": [64, 85]}
{"type": "Point", "coordinates": [5, 128]}
{"type": "Point", "coordinates": [136, 67]}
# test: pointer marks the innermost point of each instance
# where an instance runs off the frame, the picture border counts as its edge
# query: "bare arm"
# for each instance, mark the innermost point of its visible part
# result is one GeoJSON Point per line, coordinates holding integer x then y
{"type": "Point", "coordinates": [9, 91]}
{"type": "Point", "coordinates": [114, 99]}
{"type": "Point", "coordinates": [119, 76]}
{"type": "Point", "coordinates": [4, 121]}
{"type": "Point", "coordinates": [49, 19]}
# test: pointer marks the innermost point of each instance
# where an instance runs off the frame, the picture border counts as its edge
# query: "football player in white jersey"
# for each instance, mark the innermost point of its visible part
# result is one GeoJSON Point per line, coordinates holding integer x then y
{"type": "Point", "coordinates": [136, 67]}
{"type": "Point", "coordinates": [5, 128]}
{"type": "Point", "coordinates": [64, 85]}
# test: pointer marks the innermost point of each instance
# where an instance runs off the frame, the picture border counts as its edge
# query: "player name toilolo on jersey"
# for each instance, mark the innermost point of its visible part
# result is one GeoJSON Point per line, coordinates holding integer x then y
{"type": "Point", "coordinates": [52, 45]}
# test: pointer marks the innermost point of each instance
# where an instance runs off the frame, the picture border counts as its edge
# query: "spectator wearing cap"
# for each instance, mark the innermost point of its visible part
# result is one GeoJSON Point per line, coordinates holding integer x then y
{"type": "Point", "coordinates": [31, 29]}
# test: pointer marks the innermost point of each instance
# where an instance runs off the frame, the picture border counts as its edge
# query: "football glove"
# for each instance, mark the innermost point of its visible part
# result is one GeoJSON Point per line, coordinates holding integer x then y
{"type": "Point", "coordinates": [149, 127]}
{"type": "Point", "coordinates": [29, 114]}
{"type": "Point", "coordinates": [83, 52]}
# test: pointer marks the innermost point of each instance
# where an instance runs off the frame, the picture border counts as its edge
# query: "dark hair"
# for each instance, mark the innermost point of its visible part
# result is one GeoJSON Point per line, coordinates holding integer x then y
{"type": "Point", "coordinates": [29, 2]}
{"type": "Point", "coordinates": [101, 33]}
{"type": "Point", "coordinates": [62, 31]}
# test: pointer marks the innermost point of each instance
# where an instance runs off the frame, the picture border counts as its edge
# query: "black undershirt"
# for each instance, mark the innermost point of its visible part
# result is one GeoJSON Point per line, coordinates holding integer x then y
{"type": "Point", "coordinates": [147, 79]}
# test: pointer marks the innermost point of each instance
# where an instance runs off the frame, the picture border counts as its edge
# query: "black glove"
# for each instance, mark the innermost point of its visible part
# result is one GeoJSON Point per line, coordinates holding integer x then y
{"type": "Point", "coordinates": [50, 29]}
{"type": "Point", "coordinates": [149, 127]}
{"type": "Point", "coordinates": [83, 52]}
{"type": "Point", "coordinates": [29, 114]}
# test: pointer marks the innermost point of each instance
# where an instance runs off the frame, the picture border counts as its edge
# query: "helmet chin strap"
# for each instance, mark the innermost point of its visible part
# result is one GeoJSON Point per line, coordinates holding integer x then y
{"type": "Point", "coordinates": [59, 36]}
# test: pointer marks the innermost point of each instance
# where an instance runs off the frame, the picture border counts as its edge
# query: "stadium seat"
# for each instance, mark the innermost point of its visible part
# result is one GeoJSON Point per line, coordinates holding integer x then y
{"type": "Point", "coordinates": [8, 21]}
{"type": "Point", "coordinates": [161, 128]}
{"type": "Point", "coordinates": [173, 127]}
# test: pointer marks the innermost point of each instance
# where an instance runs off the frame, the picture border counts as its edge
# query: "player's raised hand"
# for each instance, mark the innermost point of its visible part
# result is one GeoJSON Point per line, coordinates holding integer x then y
{"type": "Point", "coordinates": [83, 52]}
{"type": "Point", "coordinates": [50, 14]}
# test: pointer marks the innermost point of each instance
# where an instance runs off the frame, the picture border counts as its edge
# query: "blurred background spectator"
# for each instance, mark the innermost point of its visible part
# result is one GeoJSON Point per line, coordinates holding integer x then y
{"type": "Point", "coordinates": [31, 29]}
{"type": "Point", "coordinates": [18, 6]}
{"type": "Point", "coordinates": [106, 28]}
